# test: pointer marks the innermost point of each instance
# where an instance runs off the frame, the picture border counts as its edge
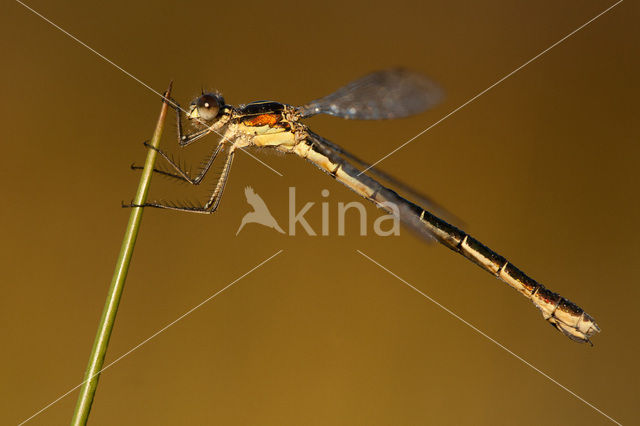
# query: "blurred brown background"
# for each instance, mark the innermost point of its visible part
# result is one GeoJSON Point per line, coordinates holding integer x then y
{"type": "Point", "coordinates": [543, 168]}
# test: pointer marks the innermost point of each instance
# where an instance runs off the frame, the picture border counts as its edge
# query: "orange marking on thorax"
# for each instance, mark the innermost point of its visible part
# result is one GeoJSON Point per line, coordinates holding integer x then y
{"type": "Point", "coordinates": [263, 120]}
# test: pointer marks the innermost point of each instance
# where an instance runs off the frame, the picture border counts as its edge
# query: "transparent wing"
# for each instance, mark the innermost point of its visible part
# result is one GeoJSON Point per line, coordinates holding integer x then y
{"type": "Point", "coordinates": [424, 200]}
{"type": "Point", "coordinates": [380, 95]}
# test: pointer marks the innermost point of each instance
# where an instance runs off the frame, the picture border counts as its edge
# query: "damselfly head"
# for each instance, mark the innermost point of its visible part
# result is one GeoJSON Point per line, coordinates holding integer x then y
{"type": "Point", "coordinates": [206, 107]}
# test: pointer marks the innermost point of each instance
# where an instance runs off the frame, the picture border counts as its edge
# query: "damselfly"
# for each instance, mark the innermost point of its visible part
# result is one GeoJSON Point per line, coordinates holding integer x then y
{"type": "Point", "coordinates": [380, 95]}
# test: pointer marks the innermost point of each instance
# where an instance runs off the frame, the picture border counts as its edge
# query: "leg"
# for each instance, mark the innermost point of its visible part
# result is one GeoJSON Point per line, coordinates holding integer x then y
{"type": "Point", "coordinates": [214, 200]}
{"type": "Point", "coordinates": [183, 138]}
{"type": "Point", "coordinates": [160, 172]}
{"type": "Point", "coordinates": [182, 173]}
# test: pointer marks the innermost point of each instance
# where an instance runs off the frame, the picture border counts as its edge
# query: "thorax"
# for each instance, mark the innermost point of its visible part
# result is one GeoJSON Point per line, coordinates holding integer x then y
{"type": "Point", "coordinates": [264, 124]}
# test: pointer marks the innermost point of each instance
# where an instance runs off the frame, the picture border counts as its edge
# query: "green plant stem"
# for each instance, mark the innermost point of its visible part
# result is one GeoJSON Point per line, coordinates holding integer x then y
{"type": "Point", "coordinates": [99, 350]}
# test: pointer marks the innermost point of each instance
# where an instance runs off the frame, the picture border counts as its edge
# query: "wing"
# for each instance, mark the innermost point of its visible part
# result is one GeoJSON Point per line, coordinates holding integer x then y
{"type": "Point", "coordinates": [425, 201]}
{"type": "Point", "coordinates": [380, 95]}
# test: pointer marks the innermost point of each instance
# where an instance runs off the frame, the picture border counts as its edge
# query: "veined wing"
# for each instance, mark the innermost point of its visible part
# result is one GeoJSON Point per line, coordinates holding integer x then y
{"type": "Point", "coordinates": [380, 95]}
{"type": "Point", "coordinates": [426, 201]}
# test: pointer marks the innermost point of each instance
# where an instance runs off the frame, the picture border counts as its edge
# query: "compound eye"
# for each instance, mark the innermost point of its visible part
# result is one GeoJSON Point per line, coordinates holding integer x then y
{"type": "Point", "coordinates": [208, 106]}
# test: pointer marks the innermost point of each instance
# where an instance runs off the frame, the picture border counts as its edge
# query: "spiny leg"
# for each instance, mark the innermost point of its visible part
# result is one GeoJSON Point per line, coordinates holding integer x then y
{"type": "Point", "coordinates": [160, 172]}
{"type": "Point", "coordinates": [214, 200]}
{"type": "Point", "coordinates": [182, 173]}
{"type": "Point", "coordinates": [185, 139]}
